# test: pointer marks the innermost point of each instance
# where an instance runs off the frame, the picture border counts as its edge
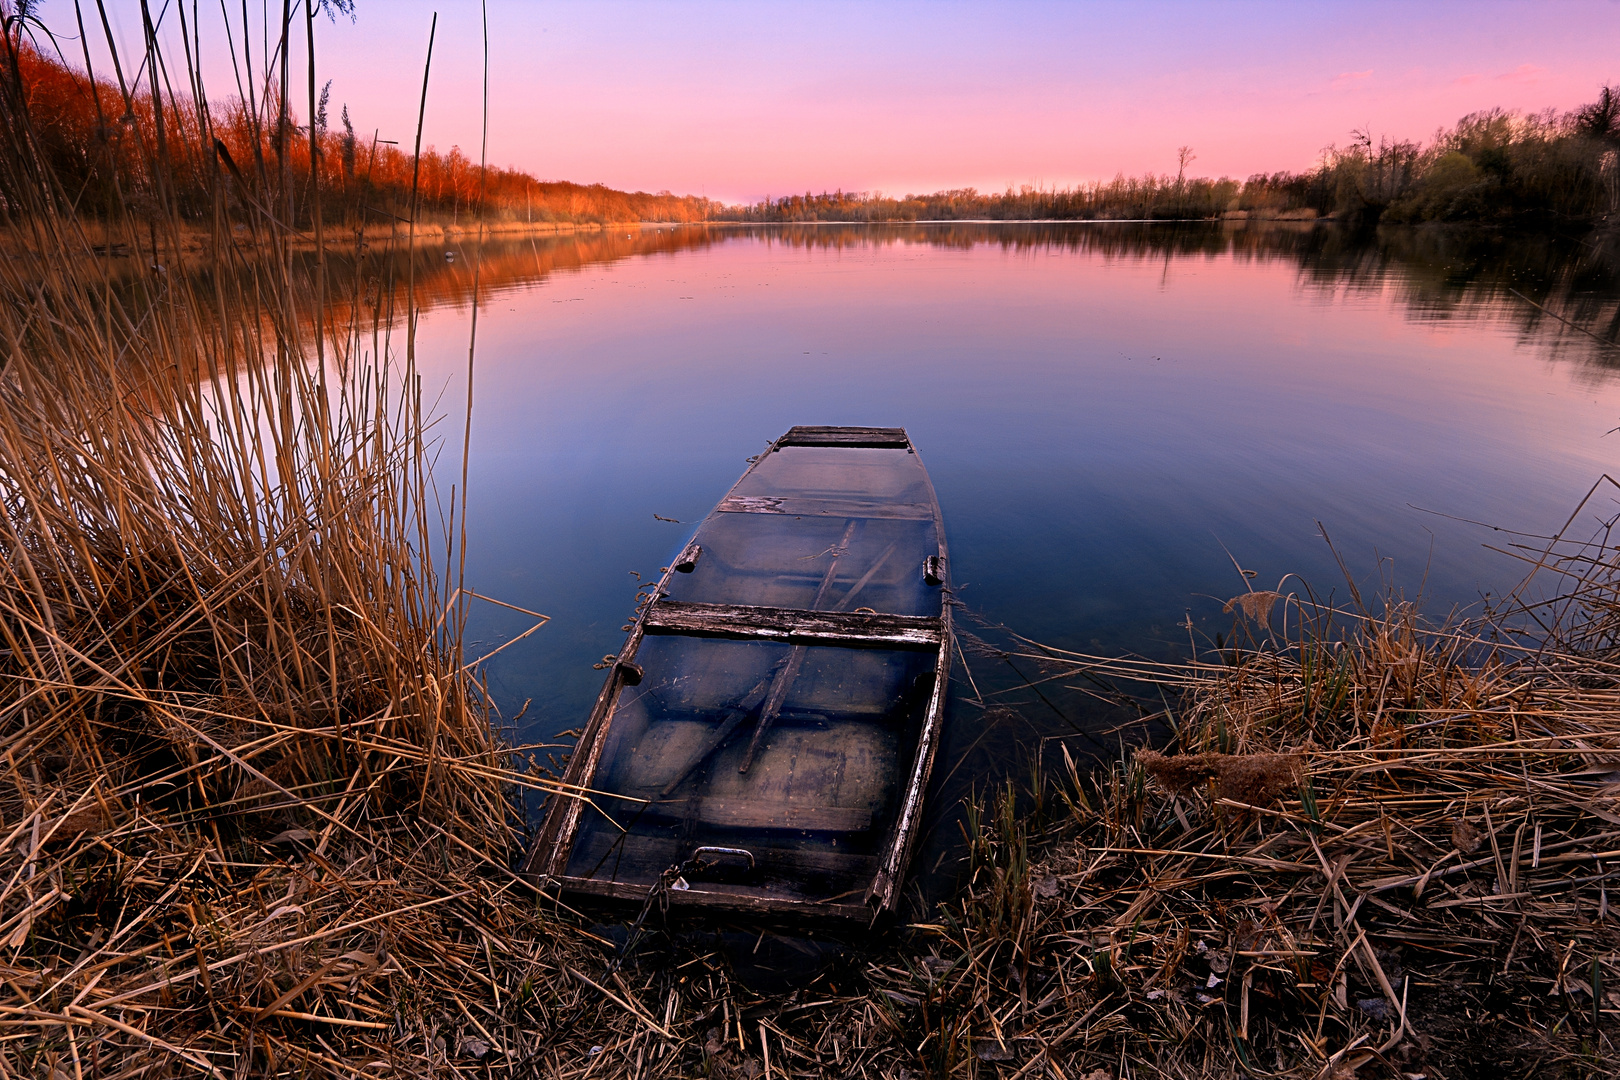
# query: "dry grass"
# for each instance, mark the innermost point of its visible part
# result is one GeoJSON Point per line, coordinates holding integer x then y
{"type": "Point", "coordinates": [1378, 851]}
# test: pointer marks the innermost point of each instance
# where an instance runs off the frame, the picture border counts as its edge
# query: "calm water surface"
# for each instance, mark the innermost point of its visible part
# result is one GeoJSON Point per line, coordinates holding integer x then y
{"type": "Point", "coordinates": [1111, 414]}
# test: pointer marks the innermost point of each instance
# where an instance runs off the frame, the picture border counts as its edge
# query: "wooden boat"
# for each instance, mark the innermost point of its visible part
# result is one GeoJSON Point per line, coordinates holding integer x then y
{"type": "Point", "coordinates": [763, 742]}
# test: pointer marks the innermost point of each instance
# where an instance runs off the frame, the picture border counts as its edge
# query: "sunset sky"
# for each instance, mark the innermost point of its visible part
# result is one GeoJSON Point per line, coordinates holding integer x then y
{"type": "Point", "coordinates": [740, 100]}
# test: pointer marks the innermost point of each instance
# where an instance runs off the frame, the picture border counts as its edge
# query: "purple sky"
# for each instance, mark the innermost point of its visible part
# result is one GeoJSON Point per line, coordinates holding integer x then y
{"type": "Point", "coordinates": [740, 100]}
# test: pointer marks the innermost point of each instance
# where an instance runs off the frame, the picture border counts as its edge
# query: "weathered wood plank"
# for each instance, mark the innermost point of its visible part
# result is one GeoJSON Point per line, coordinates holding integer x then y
{"type": "Point", "coordinates": [798, 506]}
{"type": "Point", "coordinates": [845, 436]}
{"type": "Point", "coordinates": [772, 864]}
{"type": "Point", "coordinates": [793, 625]}
{"type": "Point", "coordinates": [736, 899]}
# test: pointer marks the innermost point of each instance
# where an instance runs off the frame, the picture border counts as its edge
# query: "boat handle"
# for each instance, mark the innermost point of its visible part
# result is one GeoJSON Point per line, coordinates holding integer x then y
{"type": "Point", "coordinates": [933, 570]}
{"type": "Point", "coordinates": [686, 562]}
{"type": "Point", "coordinates": [725, 852]}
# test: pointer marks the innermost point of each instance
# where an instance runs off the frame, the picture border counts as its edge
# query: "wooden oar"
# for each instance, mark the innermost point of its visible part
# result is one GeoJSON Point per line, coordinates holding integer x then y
{"type": "Point", "coordinates": [790, 670]}
{"type": "Point", "coordinates": [733, 717]}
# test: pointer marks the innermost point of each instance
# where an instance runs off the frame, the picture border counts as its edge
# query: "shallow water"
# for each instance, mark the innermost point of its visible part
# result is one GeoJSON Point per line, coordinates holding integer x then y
{"type": "Point", "coordinates": [1113, 415]}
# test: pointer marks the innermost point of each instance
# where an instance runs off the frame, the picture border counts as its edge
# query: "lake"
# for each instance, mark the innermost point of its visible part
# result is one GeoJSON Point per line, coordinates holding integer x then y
{"type": "Point", "coordinates": [1116, 416]}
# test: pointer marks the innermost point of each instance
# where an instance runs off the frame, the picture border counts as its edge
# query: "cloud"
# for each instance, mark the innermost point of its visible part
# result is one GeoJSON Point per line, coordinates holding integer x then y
{"type": "Point", "coordinates": [1467, 80]}
{"type": "Point", "coordinates": [1350, 78]}
{"type": "Point", "coordinates": [1524, 74]}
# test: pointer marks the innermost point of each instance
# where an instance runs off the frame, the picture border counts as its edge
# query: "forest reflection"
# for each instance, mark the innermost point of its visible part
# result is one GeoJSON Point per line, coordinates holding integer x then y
{"type": "Point", "coordinates": [1560, 296]}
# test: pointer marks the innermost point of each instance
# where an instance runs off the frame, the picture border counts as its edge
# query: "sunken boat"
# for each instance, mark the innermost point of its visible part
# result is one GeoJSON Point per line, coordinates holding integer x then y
{"type": "Point", "coordinates": [763, 741]}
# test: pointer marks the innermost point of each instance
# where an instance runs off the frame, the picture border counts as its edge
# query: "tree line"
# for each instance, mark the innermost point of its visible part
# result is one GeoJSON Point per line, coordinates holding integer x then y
{"type": "Point", "coordinates": [1491, 166]}
{"type": "Point", "coordinates": [110, 145]}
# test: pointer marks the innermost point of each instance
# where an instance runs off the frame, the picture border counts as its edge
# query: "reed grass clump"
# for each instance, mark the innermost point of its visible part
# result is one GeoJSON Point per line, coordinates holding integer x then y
{"type": "Point", "coordinates": [1377, 847]}
{"type": "Point", "coordinates": [254, 817]}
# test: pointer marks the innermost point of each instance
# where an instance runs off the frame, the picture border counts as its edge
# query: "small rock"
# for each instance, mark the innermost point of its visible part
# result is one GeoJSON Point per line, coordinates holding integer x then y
{"type": "Point", "coordinates": [990, 1050]}
{"type": "Point", "coordinates": [473, 1048]}
{"type": "Point", "coordinates": [1214, 981]}
{"type": "Point", "coordinates": [1377, 1008]}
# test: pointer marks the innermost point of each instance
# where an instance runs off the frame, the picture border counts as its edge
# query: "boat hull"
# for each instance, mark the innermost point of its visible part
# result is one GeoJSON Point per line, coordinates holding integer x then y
{"type": "Point", "coordinates": [764, 739]}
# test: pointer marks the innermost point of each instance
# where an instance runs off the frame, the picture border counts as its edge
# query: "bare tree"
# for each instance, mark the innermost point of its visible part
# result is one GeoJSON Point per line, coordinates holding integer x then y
{"type": "Point", "coordinates": [1184, 157]}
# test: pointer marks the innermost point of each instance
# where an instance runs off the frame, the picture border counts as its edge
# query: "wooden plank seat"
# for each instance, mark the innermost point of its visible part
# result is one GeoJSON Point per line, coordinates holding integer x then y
{"type": "Point", "coordinates": [818, 435]}
{"type": "Point", "coordinates": [795, 625]}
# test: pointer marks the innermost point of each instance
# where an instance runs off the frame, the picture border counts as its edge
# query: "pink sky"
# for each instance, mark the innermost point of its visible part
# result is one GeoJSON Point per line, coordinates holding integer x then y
{"type": "Point", "coordinates": [740, 100]}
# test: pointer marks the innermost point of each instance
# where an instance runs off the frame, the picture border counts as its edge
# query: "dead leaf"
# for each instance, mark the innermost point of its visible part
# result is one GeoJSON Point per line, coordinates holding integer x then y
{"type": "Point", "coordinates": [1254, 779]}
{"type": "Point", "coordinates": [1256, 605]}
{"type": "Point", "coordinates": [80, 821]}
{"type": "Point", "coordinates": [1466, 837]}
{"type": "Point", "coordinates": [1047, 887]}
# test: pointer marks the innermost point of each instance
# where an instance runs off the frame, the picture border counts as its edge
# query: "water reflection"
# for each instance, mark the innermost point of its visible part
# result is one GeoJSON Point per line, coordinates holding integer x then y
{"type": "Point", "coordinates": [1558, 294]}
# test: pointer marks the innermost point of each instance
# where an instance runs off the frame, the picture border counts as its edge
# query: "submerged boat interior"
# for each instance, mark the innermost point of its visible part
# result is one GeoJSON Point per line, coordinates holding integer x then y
{"type": "Point", "coordinates": [764, 738]}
